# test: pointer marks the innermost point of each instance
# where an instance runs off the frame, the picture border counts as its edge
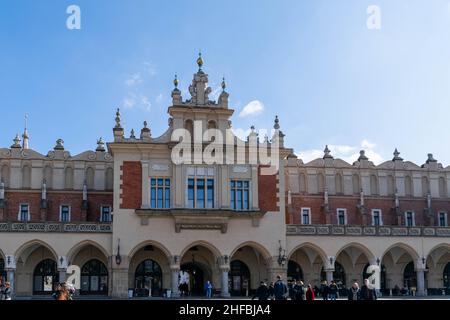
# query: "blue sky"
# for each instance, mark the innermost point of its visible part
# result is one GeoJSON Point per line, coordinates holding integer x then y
{"type": "Point", "coordinates": [330, 79]}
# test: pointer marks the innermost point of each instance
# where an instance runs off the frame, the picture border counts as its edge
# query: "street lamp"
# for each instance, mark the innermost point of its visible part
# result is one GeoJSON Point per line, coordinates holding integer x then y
{"type": "Point", "coordinates": [281, 255]}
{"type": "Point", "coordinates": [118, 257]}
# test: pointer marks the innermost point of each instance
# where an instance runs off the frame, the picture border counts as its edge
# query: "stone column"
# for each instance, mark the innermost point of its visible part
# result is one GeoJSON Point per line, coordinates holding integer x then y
{"type": "Point", "coordinates": [62, 275]}
{"type": "Point", "coordinates": [420, 282]}
{"type": "Point", "coordinates": [120, 278]}
{"type": "Point", "coordinates": [225, 293]}
{"type": "Point", "coordinates": [329, 273]}
{"type": "Point", "coordinates": [10, 277]}
{"type": "Point", "coordinates": [175, 272]}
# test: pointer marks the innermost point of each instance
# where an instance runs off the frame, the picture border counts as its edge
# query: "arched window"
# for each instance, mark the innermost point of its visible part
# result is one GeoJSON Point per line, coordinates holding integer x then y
{"type": "Point", "coordinates": [390, 185]}
{"type": "Point", "coordinates": [45, 277]}
{"type": "Point", "coordinates": [425, 186]}
{"type": "Point", "coordinates": [446, 276]}
{"type": "Point", "coordinates": [148, 276]}
{"type": "Point", "coordinates": [295, 271]}
{"type": "Point", "coordinates": [68, 178]}
{"type": "Point", "coordinates": [374, 185]}
{"type": "Point", "coordinates": [442, 188]}
{"type": "Point", "coordinates": [338, 183]}
{"type": "Point", "coordinates": [320, 183]}
{"type": "Point", "coordinates": [5, 175]}
{"type": "Point", "coordinates": [409, 276]}
{"type": "Point", "coordinates": [90, 178]}
{"type": "Point", "coordinates": [356, 187]}
{"type": "Point", "coordinates": [26, 177]}
{"type": "Point", "coordinates": [109, 180]}
{"type": "Point", "coordinates": [408, 186]}
{"type": "Point", "coordinates": [48, 176]}
{"type": "Point", "coordinates": [240, 278]}
{"type": "Point", "coordinates": [302, 182]}
{"type": "Point", "coordinates": [94, 278]}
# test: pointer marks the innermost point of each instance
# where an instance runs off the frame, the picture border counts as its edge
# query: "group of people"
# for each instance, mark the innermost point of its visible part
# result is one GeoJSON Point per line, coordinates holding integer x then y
{"type": "Point", "coordinates": [297, 290]}
{"type": "Point", "coordinates": [5, 290]}
{"type": "Point", "coordinates": [280, 291]}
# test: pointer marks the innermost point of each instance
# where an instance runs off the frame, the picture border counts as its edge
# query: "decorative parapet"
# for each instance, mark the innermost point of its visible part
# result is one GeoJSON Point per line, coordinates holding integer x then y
{"type": "Point", "coordinates": [58, 227]}
{"type": "Point", "coordinates": [373, 231]}
{"type": "Point", "coordinates": [205, 219]}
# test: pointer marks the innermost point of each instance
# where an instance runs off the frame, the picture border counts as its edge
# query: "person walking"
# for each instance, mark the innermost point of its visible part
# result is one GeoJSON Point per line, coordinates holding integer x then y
{"type": "Point", "coordinates": [262, 293]}
{"type": "Point", "coordinates": [310, 293]}
{"type": "Point", "coordinates": [353, 292]}
{"type": "Point", "coordinates": [208, 289]}
{"type": "Point", "coordinates": [271, 291]}
{"type": "Point", "coordinates": [324, 290]}
{"type": "Point", "coordinates": [367, 291]}
{"type": "Point", "coordinates": [299, 289]}
{"type": "Point", "coordinates": [280, 289]}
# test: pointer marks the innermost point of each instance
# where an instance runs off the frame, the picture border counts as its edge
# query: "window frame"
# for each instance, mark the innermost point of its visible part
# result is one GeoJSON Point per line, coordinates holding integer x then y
{"type": "Point", "coordinates": [19, 216]}
{"type": "Point", "coordinates": [345, 216]}
{"type": "Point", "coordinates": [60, 212]}
{"type": "Point", "coordinates": [101, 212]}
{"type": "Point", "coordinates": [164, 189]}
{"type": "Point", "coordinates": [413, 218]}
{"type": "Point", "coordinates": [380, 217]}
{"type": "Point", "coordinates": [234, 190]}
{"type": "Point", "coordinates": [206, 186]}
{"type": "Point", "coordinates": [302, 215]}
{"type": "Point", "coordinates": [445, 218]}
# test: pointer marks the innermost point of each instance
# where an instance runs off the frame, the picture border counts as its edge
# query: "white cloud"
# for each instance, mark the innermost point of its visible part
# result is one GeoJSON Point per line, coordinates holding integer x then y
{"type": "Point", "coordinates": [134, 80]}
{"type": "Point", "coordinates": [145, 103]}
{"type": "Point", "coordinates": [159, 98]}
{"type": "Point", "coordinates": [150, 68]}
{"type": "Point", "coordinates": [347, 153]}
{"type": "Point", "coordinates": [253, 108]}
{"type": "Point", "coordinates": [129, 102]}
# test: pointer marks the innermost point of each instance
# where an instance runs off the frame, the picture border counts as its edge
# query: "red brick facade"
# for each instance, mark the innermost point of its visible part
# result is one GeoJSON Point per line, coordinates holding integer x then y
{"type": "Point", "coordinates": [131, 186]}
{"type": "Point", "coordinates": [354, 217]}
{"type": "Point", "coordinates": [54, 201]}
{"type": "Point", "coordinates": [267, 191]}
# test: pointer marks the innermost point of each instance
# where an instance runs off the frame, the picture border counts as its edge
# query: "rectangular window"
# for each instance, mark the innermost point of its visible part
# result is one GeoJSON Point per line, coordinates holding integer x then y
{"type": "Point", "coordinates": [409, 219]}
{"type": "Point", "coordinates": [200, 193]}
{"type": "Point", "coordinates": [306, 216]}
{"type": "Point", "coordinates": [442, 219]}
{"type": "Point", "coordinates": [105, 214]}
{"type": "Point", "coordinates": [376, 217]}
{"type": "Point", "coordinates": [240, 195]}
{"type": "Point", "coordinates": [342, 216]}
{"type": "Point", "coordinates": [64, 213]}
{"type": "Point", "coordinates": [24, 213]}
{"type": "Point", "coordinates": [159, 193]}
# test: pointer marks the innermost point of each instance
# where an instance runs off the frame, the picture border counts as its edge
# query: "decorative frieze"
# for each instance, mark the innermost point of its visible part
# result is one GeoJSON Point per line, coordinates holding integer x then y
{"type": "Point", "coordinates": [55, 227]}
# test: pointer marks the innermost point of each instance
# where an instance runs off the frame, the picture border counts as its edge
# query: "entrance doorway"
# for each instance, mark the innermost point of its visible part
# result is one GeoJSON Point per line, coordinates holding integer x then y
{"type": "Point", "coordinates": [240, 278]}
{"type": "Point", "coordinates": [196, 278]}
{"type": "Point", "coordinates": [148, 279]}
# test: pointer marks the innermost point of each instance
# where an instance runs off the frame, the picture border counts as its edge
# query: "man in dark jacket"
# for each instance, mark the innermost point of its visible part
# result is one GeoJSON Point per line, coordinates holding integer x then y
{"type": "Point", "coordinates": [333, 290]}
{"type": "Point", "coordinates": [280, 289]}
{"type": "Point", "coordinates": [367, 292]}
{"type": "Point", "coordinates": [262, 293]}
{"type": "Point", "coordinates": [299, 290]}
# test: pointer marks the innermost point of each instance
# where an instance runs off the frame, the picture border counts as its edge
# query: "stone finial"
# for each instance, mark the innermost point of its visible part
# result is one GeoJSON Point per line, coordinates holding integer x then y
{"type": "Point", "coordinates": [100, 145]}
{"type": "Point", "coordinates": [223, 84]}
{"type": "Point", "coordinates": [327, 153]}
{"type": "Point", "coordinates": [276, 124]}
{"type": "Point", "coordinates": [25, 136]}
{"type": "Point", "coordinates": [59, 144]}
{"type": "Point", "coordinates": [175, 82]}
{"type": "Point", "coordinates": [397, 156]}
{"type": "Point", "coordinates": [145, 131]}
{"type": "Point", "coordinates": [16, 141]}
{"type": "Point", "coordinates": [199, 61]}
{"type": "Point", "coordinates": [252, 128]}
{"type": "Point", "coordinates": [132, 136]}
{"type": "Point", "coordinates": [362, 155]}
{"type": "Point", "coordinates": [430, 158]}
{"type": "Point", "coordinates": [118, 125]}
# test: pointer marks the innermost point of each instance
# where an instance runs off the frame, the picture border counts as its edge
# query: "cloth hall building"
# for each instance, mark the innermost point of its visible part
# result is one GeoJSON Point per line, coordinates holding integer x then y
{"type": "Point", "coordinates": [132, 218]}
